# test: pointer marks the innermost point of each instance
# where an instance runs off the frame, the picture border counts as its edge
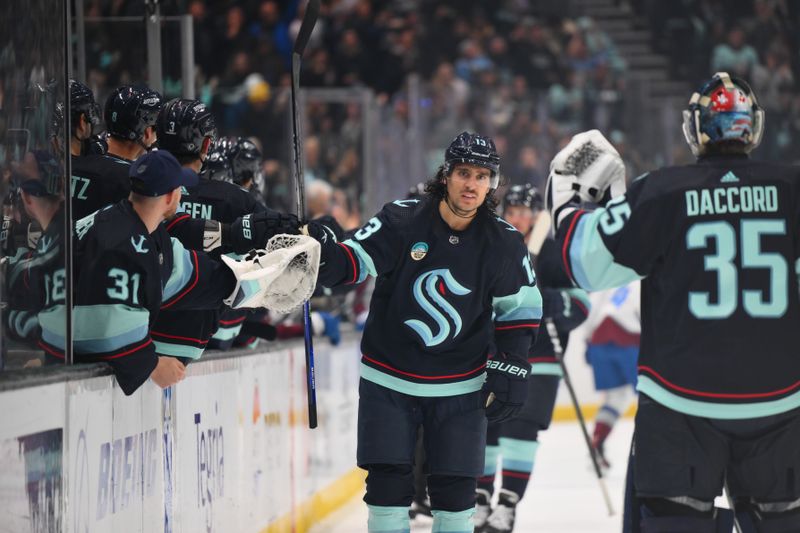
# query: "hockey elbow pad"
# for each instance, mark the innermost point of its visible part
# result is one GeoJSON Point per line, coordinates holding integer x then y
{"type": "Point", "coordinates": [506, 388]}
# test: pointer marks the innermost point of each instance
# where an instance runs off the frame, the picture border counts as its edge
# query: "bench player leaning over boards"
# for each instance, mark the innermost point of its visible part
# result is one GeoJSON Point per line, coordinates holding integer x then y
{"type": "Point", "coordinates": [451, 276]}
{"type": "Point", "coordinates": [716, 243]}
{"type": "Point", "coordinates": [127, 268]}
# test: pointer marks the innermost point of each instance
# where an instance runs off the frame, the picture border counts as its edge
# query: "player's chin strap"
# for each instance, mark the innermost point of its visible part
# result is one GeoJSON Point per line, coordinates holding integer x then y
{"type": "Point", "coordinates": [456, 213]}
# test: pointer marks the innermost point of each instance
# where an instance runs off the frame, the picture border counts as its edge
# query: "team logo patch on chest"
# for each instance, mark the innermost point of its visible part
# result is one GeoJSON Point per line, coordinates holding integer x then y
{"type": "Point", "coordinates": [419, 251]}
{"type": "Point", "coordinates": [430, 291]}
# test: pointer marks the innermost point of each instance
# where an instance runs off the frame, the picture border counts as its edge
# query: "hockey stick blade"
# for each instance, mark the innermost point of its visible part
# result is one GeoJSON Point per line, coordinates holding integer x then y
{"type": "Point", "coordinates": [306, 27]}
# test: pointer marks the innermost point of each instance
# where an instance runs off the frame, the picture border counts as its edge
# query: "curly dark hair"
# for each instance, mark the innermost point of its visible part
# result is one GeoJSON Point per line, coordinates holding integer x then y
{"type": "Point", "coordinates": [436, 189]}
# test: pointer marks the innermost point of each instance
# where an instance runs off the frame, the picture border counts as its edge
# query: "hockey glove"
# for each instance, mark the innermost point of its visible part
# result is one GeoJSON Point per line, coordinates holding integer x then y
{"type": "Point", "coordinates": [252, 231]}
{"type": "Point", "coordinates": [506, 387]}
{"type": "Point", "coordinates": [323, 229]}
{"type": "Point", "coordinates": [588, 169]}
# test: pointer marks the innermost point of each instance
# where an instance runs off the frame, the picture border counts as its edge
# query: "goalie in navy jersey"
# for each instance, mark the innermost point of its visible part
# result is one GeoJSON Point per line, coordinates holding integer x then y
{"type": "Point", "coordinates": [452, 279]}
{"type": "Point", "coordinates": [715, 244]}
{"type": "Point", "coordinates": [516, 441]}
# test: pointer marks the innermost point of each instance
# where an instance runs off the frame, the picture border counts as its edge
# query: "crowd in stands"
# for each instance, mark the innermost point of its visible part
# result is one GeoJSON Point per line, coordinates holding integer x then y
{"type": "Point", "coordinates": [527, 73]}
{"type": "Point", "coordinates": [758, 40]}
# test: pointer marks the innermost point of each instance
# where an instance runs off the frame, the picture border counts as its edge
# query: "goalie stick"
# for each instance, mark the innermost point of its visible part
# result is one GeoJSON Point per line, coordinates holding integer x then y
{"type": "Point", "coordinates": [309, 20]}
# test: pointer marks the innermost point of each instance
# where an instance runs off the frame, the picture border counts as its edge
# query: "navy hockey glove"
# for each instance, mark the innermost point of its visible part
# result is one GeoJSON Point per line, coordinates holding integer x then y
{"type": "Point", "coordinates": [323, 228]}
{"type": "Point", "coordinates": [254, 230]}
{"type": "Point", "coordinates": [506, 387]}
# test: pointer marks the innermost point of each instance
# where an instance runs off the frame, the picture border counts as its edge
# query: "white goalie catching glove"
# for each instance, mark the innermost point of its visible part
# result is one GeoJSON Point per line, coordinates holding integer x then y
{"type": "Point", "coordinates": [587, 170]}
{"type": "Point", "coordinates": [279, 278]}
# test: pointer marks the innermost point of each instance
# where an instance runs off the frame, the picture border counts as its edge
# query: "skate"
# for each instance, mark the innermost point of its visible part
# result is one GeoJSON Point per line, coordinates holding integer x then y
{"type": "Point", "coordinates": [599, 451]}
{"type": "Point", "coordinates": [483, 509]}
{"type": "Point", "coordinates": [502, 518]}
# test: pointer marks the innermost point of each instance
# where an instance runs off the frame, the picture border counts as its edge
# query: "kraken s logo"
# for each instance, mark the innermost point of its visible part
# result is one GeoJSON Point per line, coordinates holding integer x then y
{"type": "Point", "coordinates": [430, 287]}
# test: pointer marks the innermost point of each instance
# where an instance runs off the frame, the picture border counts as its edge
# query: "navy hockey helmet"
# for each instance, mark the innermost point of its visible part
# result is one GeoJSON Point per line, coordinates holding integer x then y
{"type": "Point", "coordinates": [217, 165]}
{"type": "Point", "coordinates": [40, 174]}
{"type": "Point", "coordinates": [725, 110]}
{"type": "Point", "coordinates": [130, 110]}
{"type": "Point", "coordinates": [183, 125]}
{"type": "Point", "coordinates": [524, 195]}
{"type": "Point", "coordinates": [82, 102]}
{"type": "Point", "coordinates": [476, 150]}
{"type": "Point", "coordinates": [245, 158]}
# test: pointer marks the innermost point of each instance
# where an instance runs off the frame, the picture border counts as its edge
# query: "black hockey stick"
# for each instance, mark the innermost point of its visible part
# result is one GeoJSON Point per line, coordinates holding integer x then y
{"type": "Point", "coordinates": [309, 20]}
{"type": "Point", "coordinates": [559, 353]}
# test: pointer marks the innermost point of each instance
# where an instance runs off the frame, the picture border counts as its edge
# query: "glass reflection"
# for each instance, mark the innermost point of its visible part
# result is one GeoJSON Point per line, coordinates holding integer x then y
{"type": "Point", "coordinates": [32, 142]}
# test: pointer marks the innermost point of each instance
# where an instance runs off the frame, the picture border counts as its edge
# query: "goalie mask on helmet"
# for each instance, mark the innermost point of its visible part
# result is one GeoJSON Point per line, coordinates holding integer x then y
{"type": "Point", "coordinates": [724, 117]}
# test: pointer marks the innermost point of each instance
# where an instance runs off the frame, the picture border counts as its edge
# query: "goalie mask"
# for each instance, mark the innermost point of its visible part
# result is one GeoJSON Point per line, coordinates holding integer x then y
{"type": "Point", "coordinates": [473, 149]}
{"type": "Point", "coordinates": [724, 111]}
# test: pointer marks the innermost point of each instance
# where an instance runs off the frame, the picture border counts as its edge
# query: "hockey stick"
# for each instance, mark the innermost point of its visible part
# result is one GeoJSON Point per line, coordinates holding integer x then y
{"type": "Point", "coordinates": [309, 20]}
{"type": "Point", "coordinates": [559, 353]}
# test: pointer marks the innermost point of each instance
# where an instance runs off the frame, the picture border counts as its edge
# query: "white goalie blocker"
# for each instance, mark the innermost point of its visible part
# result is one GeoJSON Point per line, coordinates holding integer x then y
{"type": "Point", "coordinates": [280, 277]}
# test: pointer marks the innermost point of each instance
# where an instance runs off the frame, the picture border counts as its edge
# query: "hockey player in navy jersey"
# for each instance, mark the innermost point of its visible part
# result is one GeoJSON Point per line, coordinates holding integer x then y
{"type": "Point", "coordinates": [716, 245]}
{"type": "Point", "coordinates": [452, 277]}
{"type": "Point", "coordinates": [99, 180]}
{"type": "Point", "coordinates": [516, 441]}
{"type": "Point", "coordinates": [128, 270]}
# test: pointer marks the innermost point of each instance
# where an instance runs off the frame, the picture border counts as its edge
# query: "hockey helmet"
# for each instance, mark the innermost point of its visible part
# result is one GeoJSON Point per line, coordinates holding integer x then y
{"type": "Point", "coordinates": [82, 102]}
{"type": "Point", "coordinates": [217, 165]}
{"type": "Point", "coordinates": [130, 110]}
{"type": "Point", "coordinates": [245, 158]}
{"type": "Point", "coordinates": [523, 195]}
{"type": "Point", "coordinates": [725, 110]}
{"type": "Point", "coordinates": [183, 125]}
{"type": "Point", "coordinates": [473, 149]}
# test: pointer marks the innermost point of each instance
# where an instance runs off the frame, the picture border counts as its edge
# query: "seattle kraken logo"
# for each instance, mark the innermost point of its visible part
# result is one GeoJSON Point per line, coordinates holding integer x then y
{"type": "Point", "coordinates": [425, 291]}
{"type": "Point", "coordinates": [139, 247]}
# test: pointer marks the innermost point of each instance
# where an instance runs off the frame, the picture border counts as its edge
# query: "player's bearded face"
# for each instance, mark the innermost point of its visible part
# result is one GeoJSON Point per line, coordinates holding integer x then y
{"type": "Point", "coordinates": [467, 187]}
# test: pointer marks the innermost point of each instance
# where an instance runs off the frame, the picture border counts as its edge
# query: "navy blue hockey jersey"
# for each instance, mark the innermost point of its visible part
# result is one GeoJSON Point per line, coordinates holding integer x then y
{"type": "Point", "coordinates": [98, 181]}
{"type": "Point", "coordinates": [440, 296]}
{"type": "Point", "coordinates": [718, 244]}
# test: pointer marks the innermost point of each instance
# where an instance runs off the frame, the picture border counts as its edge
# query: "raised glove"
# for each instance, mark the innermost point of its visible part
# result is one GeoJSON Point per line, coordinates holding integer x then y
{"type": "Point", "coordinates": [506, 387]}
{"type": "Point", "coordinates": [588, 169]}
{"type": "Point", "coordinates": [254, 230]}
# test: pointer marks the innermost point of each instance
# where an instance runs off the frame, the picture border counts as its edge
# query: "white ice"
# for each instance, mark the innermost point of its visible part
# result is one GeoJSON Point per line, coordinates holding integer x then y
{"type": "Point", "coordinates": [563, 497]}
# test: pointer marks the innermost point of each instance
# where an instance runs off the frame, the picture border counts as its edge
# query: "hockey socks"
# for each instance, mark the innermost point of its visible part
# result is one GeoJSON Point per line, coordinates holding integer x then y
{"type": "Point", "coordinates": [518, 459]}
{"type": "Point", "coordinates": [452, 522]}
{"type": "Point", "coordinates": [486, 481]}
{"type": "Point", "coordinates": [390, 520]}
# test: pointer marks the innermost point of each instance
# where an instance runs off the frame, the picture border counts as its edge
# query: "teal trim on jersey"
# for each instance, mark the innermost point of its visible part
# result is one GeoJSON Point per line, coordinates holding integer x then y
{"type": "Point", "coordinates": [32, 262]}
{"type": "Point", "coordinates": [226, 334]}
{"type": "Point", "coordinates": [366, 266]}
{"type": "Point", "coordinates": [96, 328]}
{"type": "Point", "coordinates": [182, 270]}
{"type": "Point", "coordinates": [453, 521]}
{"type": "Point", "coordinates": [525, 303]}
{"type": "Point", "coordinates": [388, 519]}
{"type": "Point", "coordinates": [797, 269]}
{"type": "Point", "coordinates": [582, 296]}
{"type": "Point", "coordinates": [737, 411]}
{"type": "Point", "coordinates": [518, 452]}
{"type": "Point", "coordinates": [593, 266]}
{"type": "Point", "coordinates": [22, 322]}
{"type": "Point", "coordinates": [547, 369]}
{"type": "Point", "coordinates": [490, 460]}
{"type": "Point", "coordinates": [178, 350]}
{"type": "Point", "coordinates": [427, 390]}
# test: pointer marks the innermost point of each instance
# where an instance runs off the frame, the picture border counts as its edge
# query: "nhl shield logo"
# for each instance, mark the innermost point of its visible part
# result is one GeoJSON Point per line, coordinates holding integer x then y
{"type": "Point", "coordinates": [419, 251]}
